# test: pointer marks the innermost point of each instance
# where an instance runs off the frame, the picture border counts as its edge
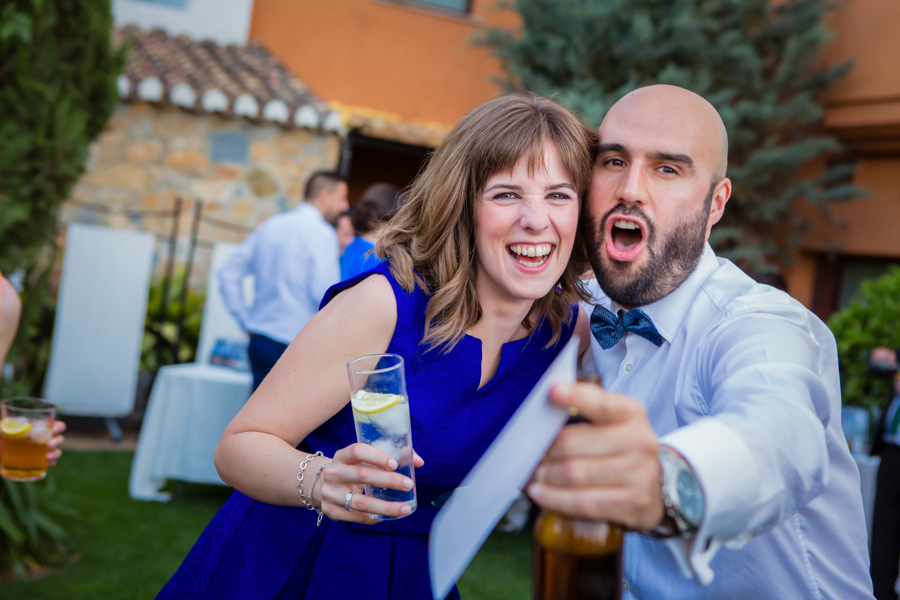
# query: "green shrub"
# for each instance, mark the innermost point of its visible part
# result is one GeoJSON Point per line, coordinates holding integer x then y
{"type": "Point", "coordinates": [29, 533]}
{"type": "Point", "coordinates": [160, 346]}
{"type": "Point", "coordinates": [872, 319]}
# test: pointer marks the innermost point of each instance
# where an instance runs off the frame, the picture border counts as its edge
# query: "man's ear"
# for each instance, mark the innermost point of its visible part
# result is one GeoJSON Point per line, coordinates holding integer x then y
{"type": "Point", "coordinates": [720, 196]}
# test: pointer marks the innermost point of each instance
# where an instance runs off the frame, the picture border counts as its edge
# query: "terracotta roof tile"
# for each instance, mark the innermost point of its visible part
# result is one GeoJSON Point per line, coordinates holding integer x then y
{"type": "Point", "coordinates": [239, 81]}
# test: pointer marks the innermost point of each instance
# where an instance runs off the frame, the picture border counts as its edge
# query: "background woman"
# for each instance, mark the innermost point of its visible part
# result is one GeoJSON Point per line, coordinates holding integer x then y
{"type": "Point", "coordinates": [478, 296]}
{"type": "Point", "coordinates": [376, 203]}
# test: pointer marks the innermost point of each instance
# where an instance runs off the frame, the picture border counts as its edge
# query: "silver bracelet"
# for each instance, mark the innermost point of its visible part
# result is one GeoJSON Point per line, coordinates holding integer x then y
{"type": "Point", "coordinates": [311, 488]}
{"type": "Point", "coordinates": [304, 499]}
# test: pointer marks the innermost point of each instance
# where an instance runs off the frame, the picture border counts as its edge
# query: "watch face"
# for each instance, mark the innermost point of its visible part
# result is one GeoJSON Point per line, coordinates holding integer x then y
{"type": "Point", "coordinates": [690, 499]}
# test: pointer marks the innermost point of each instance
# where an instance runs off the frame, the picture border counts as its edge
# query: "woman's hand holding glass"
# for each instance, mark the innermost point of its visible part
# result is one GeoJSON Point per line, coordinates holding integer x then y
{"type": "Point", "coordinates": [350, 470]}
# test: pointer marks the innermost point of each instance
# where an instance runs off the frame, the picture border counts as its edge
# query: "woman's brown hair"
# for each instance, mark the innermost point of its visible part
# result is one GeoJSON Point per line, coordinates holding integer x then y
{"type": "Point", "coordinates": [431, 240]}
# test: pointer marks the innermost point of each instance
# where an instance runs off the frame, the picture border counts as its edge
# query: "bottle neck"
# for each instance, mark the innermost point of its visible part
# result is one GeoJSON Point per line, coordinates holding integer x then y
{"type": "Point", "coordinates": [582, 538]}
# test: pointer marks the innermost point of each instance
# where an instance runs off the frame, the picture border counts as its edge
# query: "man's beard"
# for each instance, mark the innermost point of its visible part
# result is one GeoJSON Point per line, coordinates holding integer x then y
{"type": "Point", "coordinates": [667, 266]}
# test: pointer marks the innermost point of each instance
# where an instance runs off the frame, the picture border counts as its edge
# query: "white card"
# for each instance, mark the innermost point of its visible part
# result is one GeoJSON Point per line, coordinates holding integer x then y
{"type": "Point", "coordinates": [475, 507]}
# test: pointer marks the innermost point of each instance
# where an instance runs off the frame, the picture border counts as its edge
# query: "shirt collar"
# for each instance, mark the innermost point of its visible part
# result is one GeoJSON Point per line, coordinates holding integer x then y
{"type": "Point", "coordinates": [307, 207]}
{"type": "Point", "coordinates": [668, 313]}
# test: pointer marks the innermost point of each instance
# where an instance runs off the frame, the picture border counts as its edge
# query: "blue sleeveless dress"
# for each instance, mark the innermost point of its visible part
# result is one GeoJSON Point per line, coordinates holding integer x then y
{"type": "Point", "coordinates": [253, 550]}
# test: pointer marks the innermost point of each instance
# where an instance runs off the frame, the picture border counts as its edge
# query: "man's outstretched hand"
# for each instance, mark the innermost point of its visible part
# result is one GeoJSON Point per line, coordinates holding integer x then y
{"type": "Point", "coordinates": [605, 469]}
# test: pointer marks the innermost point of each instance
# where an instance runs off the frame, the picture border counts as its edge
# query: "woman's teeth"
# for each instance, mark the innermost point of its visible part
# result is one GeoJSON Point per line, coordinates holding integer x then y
{"type": "Point", "coordinates": [540, 251]}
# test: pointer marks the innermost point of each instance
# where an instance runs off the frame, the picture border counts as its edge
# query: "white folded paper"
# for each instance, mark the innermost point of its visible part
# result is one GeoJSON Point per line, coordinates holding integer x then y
{"type": "Point", "coordinates": [471, 513]}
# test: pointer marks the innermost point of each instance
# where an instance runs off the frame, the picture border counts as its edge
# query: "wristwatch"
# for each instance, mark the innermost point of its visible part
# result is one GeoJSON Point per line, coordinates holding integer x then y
{"type": "Point", "coordinates": [682, 497]}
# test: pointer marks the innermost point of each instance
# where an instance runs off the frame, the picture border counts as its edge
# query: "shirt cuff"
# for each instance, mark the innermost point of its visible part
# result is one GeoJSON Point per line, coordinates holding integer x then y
{"type": "Point", "coordinates": [730, 481]}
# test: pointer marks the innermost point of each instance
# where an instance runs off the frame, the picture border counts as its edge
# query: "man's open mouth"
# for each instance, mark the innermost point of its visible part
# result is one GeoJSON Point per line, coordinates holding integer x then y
{"type": "Point", "coordinates": [530, 255]}
{"type": "Point", "coordinates": [625, 239]}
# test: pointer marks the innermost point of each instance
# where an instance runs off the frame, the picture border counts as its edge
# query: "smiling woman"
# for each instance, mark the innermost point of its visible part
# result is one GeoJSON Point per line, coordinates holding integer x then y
{"type": "Point", "coordinates": [478, 295]}
{"type": "Point", "coordinates": [525, 225]}
{"type": "Point", "coordinates": [521, 137]}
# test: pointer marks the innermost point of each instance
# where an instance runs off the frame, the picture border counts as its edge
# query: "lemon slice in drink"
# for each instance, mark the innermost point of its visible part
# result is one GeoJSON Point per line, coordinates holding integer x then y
{"type": "Point", "coordinates": [14, 428]}
{"type": "Point", "coordinates": [369, 403]}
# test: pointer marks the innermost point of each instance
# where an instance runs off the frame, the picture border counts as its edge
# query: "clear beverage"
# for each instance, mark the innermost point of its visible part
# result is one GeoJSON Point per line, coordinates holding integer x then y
{"type": "Point", "coordinates": [26, 428]}
{"type": "Point", "coordinates": [387, 430]}
{"type": "Point", "coordinates": [381, 415]}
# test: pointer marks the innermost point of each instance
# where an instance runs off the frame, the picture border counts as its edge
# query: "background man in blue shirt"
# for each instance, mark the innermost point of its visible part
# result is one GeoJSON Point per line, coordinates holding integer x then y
{"type": "Point", "coordinates": [294, 258]}
{"type": "Point", "coordinates": [719, 429]}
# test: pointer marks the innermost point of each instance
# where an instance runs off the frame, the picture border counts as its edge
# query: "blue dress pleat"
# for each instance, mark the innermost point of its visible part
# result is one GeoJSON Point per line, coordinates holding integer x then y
{"type": "Point", "coordinates": [255, 550]}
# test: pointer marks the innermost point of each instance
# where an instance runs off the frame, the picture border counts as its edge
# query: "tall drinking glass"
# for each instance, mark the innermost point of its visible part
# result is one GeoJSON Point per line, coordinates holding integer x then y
{"type": "Point", "coordinates": [26, 428]}
{"type": "Point", "coordinates": [381, 413]}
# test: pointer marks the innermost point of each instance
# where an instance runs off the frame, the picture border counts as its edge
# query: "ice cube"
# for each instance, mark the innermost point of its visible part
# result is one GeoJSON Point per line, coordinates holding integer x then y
{"type": "Point", "coordinates": [389, 447]}
{"type": "Point", "coordinates": [393, 422]}
{"type": "Point", "coordinates": [40, 432]}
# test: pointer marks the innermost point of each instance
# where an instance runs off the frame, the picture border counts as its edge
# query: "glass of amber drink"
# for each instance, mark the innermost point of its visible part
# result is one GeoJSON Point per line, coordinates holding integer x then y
{"type": "Point", "coordinates": [26, 428]}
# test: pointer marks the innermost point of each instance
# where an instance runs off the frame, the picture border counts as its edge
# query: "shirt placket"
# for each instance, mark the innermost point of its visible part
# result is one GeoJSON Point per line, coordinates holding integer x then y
{"type": "Point", "coordinates": [635, 346]}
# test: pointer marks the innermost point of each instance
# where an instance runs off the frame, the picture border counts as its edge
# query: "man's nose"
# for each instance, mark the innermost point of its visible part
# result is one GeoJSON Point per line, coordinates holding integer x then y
{"type": "Point", "coordinates": [632, 185]}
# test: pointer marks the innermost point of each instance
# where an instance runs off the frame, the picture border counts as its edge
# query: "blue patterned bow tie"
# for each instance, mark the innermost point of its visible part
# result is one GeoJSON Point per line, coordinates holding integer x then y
{"type": "Point", "coordinates": [609, 328]}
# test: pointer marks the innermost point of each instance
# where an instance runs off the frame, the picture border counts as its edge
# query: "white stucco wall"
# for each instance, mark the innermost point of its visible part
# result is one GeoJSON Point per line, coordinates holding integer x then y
{"type": "Point", "coordinates": [222, 21]}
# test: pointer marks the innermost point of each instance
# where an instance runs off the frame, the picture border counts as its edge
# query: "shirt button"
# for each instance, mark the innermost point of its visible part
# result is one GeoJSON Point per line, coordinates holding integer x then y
{"type": "Point", "coordinates": [629, 368]}
{"type": "Point", "coordinates": [625, 585]}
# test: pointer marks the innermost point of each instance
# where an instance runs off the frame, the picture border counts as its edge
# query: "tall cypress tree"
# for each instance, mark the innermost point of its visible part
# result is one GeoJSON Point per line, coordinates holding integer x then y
{"type": "Point", "coordinates": [58, 75]}
{"type": "Point", "coordinates": [757, 61]}
{"type": "Point", "coordinates": [57, 90]}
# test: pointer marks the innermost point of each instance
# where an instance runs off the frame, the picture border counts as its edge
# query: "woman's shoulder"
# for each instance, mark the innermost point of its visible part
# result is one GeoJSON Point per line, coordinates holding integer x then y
{"type": "Point", "coordinates": [369, 304]}
{"type": "Point", "coordinates": [375, 298]}
{"type": "Point", "coordinates": [372, 288]}
{"type": "Point", "coordinates": [388, 285]}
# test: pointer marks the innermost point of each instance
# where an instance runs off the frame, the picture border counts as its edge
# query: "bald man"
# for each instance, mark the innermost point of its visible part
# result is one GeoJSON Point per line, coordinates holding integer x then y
{"type": "Point", "coordinates": [718, 435]}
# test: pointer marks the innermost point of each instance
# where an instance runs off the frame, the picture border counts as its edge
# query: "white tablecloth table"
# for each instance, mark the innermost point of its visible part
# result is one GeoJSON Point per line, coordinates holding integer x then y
{"type": "Point", "coordinates": [188, 410]}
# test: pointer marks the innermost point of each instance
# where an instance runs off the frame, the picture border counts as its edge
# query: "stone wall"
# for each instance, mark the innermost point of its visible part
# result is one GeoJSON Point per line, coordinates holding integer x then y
{"type": "Point", "coordinates": [241, 172]}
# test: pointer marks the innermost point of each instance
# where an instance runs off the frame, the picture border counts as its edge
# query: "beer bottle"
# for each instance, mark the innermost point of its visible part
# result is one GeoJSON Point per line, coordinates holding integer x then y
{"type": "Point", "coordinates": [576, 560]}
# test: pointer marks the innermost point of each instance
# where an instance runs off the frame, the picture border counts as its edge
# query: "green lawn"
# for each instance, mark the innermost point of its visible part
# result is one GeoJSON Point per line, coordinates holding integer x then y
{"type": "Point", "coordinates": [128, 549]}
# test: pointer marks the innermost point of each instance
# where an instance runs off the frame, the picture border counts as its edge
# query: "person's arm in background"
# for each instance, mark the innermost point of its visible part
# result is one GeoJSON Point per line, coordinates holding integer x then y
{"type": "Point", "coordinates": [10, 312]}
{"type": "Point", "coordinates": [231, 278]}
{"type": "Point", "coordinates": [324, 264]}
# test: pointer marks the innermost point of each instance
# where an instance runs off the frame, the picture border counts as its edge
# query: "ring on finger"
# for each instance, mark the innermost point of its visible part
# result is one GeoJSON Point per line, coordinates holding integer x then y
{"type": "Point", "coordinates": [347, 501]}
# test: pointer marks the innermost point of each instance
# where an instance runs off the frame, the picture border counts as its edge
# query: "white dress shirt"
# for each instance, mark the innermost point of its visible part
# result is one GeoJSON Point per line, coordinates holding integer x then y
{"type": "Point", "coordinates": [294, 257]}
{"type": "Point", "coordinates": [745, 386]}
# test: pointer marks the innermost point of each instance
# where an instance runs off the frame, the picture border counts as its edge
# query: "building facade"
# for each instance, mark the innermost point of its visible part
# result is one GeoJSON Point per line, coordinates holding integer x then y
{"type": "Point", "coordinates": [395, 75]}
{"type": "Point", "coordinates": [208, 142]}
{"type": "Point", "coordinates": [862, 237]}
